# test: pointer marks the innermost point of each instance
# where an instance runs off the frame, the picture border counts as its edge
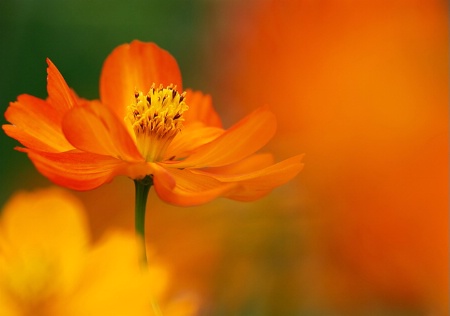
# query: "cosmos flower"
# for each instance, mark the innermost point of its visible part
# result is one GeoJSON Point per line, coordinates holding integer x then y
{"type": "Point", "coordinates": [145, 126]}
{"type": "Point", "coordinates": [48, 265]}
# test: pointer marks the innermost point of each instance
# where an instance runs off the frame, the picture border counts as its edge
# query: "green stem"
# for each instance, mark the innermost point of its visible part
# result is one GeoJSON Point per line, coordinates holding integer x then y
{"type": "Point", "coordinates": [142, 187]}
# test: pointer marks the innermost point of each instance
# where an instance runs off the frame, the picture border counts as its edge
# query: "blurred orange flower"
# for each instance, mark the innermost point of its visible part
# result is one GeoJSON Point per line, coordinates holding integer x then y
{"type": "Point", "coordinates": [48, 267]}
{"type": "Point", "coordinates": [371, 107]}
{"type": "Point", "coordinates": [143, 126]}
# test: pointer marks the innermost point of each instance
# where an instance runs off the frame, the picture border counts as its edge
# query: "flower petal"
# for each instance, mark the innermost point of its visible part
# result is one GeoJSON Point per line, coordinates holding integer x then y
{"type": "Point", "coordinates": [84, 171]}
{"type": "Point", "coordinates": [191, 137]}
{"type": "Point", "coordinates": [190, 189]}
{"type": "Point", "coordinates": [60, 96]}
{"type": "Point", "coordinates": [94, 128]}
{"type": "Point", "coordinates": [44, 225]}
{"type": "Point", "coordinates": [201, 109]}
{"type": "Point", "coordinates": [37, 122]}
{"type": "Point", "coordinates": [135, 66]}
{"type": "Point", "coordinates": [35, 125]}
{"type": "Point", "coordinates": [252, 163]}
{"type": "Point", "coordinates": [43, 212]}
{"type": "Point", "coordinates": [238, 142]}
{"type": "Point", "coordinates": [255, 183]}
{"type": "Point", "coordinates": [117, 283]}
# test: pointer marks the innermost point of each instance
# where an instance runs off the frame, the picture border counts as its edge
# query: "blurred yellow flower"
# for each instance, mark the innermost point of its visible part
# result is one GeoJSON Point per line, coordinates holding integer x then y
{"type": "Point", "coordinates": [48, 266]}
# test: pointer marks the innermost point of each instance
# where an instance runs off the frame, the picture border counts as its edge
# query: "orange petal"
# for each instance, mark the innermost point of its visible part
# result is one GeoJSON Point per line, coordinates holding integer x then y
{"type": "Point", "coordinates": [94, 128]}
{"type": "Point", "coordinates": [35, 125]}
{"type": "Point", "coordinates": [81, 170]}
{"type": "Point", "coordinates": [60, 96]}
{"type": "Point", "coordinates": [191, 137]}
{"type": "Point", "coordinates": [190, 189]}
{"type": "Point", "coordinates": [250, 164]}
{"type": "Point", "coordinates": [238, 142]}
{"type": "Point", "coordinates": [135, 66]}
{"type": "Point", "coordinates": [201, 109]}
{"type": "Point", "coordinates": [257, 183]}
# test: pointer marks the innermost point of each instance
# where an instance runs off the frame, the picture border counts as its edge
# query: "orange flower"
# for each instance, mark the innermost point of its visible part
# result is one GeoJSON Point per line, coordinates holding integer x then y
{"type": "Point", "coordinates": [143, 126]}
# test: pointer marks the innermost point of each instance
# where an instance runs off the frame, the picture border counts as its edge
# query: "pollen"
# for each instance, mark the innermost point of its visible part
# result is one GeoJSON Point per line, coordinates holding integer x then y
{"type": "Point", "coordinates": [156, 118]}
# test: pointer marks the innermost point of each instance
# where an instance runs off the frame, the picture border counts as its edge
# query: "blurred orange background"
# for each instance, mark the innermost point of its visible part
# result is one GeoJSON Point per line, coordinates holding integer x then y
{"type": "Point", "coordinates": [362, 88]}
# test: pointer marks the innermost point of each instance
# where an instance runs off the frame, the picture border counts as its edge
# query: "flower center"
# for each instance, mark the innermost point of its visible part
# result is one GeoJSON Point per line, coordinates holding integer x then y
{"type": "Point", "coordinates": [156, 118]}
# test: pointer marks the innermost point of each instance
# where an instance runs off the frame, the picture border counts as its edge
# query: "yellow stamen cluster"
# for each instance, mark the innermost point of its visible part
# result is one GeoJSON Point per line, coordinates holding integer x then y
{"type": "Point", "coordinates": [156, 118]}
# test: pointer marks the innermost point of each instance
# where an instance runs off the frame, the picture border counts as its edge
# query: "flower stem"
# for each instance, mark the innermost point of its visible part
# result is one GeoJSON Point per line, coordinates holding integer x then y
{"type": "Point", "coordinates": [142, 188]}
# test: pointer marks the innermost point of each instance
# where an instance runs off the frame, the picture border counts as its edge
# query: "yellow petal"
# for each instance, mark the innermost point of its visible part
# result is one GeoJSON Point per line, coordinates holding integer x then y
{"type": "Point", "coordinates": [45, 227]}
{"type": "Point", "coordinates": [115, 283]}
